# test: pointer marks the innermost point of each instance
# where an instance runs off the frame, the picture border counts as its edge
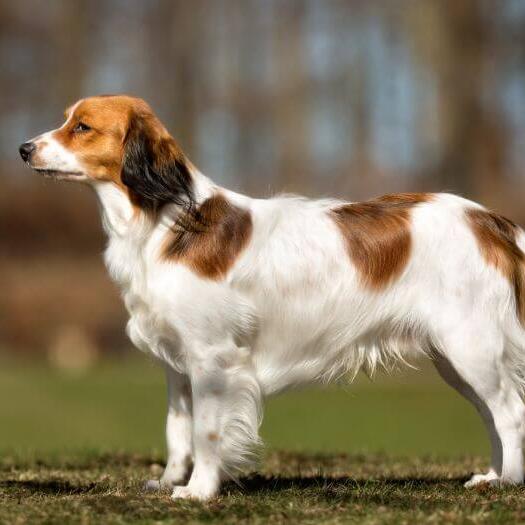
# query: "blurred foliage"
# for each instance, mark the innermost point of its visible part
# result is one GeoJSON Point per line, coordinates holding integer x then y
{"type": "Point", "coordinates": [348, 98]}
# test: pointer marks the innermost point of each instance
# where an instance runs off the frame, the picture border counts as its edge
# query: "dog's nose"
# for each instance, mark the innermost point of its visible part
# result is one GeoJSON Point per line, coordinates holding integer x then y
{"type": "Point", "coordinates": [26, 149]}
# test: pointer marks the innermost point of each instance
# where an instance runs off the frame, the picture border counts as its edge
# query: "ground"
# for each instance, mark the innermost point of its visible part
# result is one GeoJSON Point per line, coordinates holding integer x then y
{"type": "Point", "coordinates": [291, 488]}
{"type": "Point", "coordinates": [76, 448]}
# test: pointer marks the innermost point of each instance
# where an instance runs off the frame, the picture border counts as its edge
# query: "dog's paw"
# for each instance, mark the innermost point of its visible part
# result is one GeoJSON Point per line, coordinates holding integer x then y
{"type": "Point", "coordinates": [173, 475]}
{"type": "Point", "coordinates": [165, 483]}
{"type": "Point", "coordinates": [490, 478]}
{"type": "Point", "coordinates": [157, 485]}
{"type": "Point", "coordinates": [199, 493]}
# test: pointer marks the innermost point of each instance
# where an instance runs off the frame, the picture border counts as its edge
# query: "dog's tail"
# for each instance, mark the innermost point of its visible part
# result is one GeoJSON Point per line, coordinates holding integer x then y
{"type": "Point", "coordinates": [519, 291]}
{"type": "Point", "coordinates": [515, 322]}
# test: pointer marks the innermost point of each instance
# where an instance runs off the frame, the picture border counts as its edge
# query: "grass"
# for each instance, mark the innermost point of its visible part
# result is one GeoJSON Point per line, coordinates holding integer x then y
{"type": "Point", "coordinates": [76, 449]}
{"type": "Point", "coordinates": [121, 406]}
{"type": "Point", "coordinates": [290, 488]}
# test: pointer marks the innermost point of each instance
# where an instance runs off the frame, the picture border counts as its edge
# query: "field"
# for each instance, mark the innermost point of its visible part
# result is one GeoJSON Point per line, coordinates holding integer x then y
{"type": "Point", "coordinates": [76, 449]}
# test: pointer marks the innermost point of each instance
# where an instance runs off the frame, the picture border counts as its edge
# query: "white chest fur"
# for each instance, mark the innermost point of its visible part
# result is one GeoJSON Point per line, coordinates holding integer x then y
{"type": "Point", "coordinates": [129, 259]}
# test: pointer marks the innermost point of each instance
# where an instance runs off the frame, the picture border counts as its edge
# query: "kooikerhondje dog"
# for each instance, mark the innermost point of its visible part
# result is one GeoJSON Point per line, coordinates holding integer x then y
{"type": "Point", "coordinates": [241, 298]}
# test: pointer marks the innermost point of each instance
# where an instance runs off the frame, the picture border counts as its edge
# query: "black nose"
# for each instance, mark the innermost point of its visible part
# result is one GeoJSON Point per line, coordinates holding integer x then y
{"type": "Point", "coordinates": [26, 149]}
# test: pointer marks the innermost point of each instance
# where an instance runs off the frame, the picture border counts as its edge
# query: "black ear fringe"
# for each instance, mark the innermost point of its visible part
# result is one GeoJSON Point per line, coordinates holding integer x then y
{"type": "Point", "coordinates": [153, 173]}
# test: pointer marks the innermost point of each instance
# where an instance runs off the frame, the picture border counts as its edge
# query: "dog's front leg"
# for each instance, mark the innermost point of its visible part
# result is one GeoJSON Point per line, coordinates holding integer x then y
{"type": "Point", "coordinates": [226, 407]}
{"type": "Point", "coordinates": [178, 432]}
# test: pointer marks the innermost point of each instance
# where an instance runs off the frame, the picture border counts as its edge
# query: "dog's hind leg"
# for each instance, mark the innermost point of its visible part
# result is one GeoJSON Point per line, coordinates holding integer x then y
{"type": "Point", "coordinates": [473, 361]}
{"type": "Point", "coordinates": [449, 374]}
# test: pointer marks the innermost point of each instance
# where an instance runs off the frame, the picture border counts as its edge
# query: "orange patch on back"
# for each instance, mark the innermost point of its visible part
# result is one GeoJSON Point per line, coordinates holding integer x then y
{"type": "Point", "coordinates": [496, 237]}
{"type": "Point", "coordinates": [377, 235]}
{"type": "Point", "coordinates": [210, 242]}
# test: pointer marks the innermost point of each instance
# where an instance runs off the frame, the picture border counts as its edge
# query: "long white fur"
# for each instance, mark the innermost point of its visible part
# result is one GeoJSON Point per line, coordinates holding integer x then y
{"type": "Point", "coordinates": [294, 310]}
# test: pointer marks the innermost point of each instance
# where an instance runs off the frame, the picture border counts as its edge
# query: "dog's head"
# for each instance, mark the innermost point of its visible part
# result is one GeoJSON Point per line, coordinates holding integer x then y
{"type": "Point", "coordinates": [116, 139]}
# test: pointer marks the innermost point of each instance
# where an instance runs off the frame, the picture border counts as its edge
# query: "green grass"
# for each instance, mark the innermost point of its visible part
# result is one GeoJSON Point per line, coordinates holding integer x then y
{"type": "Point", "coordinates": [121, 406]}
{"type": "Point", "coordinates": [76, 449]}
{"type": "Point", "coordinates": [290, 488]}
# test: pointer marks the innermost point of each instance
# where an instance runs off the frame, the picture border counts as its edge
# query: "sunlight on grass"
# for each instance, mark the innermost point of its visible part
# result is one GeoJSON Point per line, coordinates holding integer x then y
{"type": "Point", "coordinates": [291, 488]}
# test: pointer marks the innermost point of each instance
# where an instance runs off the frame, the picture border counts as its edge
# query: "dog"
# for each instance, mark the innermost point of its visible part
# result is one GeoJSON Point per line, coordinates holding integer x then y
{"type": "Point", "coordinates": [240, 298]}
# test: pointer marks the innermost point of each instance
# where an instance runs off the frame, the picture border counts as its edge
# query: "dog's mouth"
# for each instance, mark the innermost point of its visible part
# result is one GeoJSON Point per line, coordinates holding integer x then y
{"type": "Point", "coordinates": [58, 174]}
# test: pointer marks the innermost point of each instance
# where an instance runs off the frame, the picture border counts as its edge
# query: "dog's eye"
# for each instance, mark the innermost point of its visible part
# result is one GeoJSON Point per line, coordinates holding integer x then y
{"type": "Point", "coordinates": [80, 127]}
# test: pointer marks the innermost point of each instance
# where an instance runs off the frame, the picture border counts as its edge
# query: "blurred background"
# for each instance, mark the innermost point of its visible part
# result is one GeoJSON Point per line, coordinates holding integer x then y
{"type": "Point", "coordinates": [346, 98]}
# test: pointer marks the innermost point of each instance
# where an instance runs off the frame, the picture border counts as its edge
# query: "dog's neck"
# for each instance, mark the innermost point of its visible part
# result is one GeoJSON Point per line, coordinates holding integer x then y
{"type": "Point", "coordinates": [116, 209]}
{"type": "Point", "coordinates": [120, 218]}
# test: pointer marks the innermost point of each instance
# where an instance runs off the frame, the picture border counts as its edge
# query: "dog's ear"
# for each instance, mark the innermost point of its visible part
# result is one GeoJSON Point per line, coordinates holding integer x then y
{"type": "Point", "coordinates": [153, 167]}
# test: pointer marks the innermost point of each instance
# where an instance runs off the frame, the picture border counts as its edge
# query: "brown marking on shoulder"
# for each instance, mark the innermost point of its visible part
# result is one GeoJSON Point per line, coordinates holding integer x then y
{"type": "Point", "coordinates": [496, 237]}
{"type": "Point", "coordinates": [377, 235]}
{"type": "Point", "coordinates": [210, 240]}
{"type": "Point", "coordinates": [213, 436]}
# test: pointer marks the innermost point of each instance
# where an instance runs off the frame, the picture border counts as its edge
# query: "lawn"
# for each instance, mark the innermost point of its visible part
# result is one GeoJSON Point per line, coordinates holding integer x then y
{"type": "Point", "coordinates": [121, 406]}
{"type": "Point", "coordinates": [290, 488]}
{"type": "Point", "coordinates": [76, 449]}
